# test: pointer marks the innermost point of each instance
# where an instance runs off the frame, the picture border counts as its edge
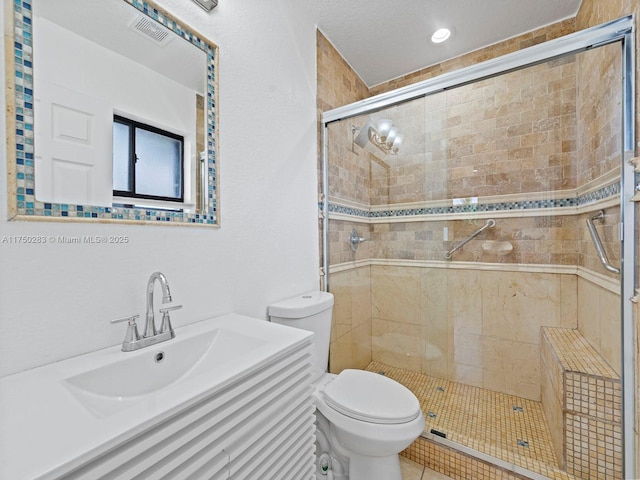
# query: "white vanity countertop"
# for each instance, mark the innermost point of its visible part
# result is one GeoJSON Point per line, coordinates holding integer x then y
{"type": "Point", "coordinates": [45, 431]}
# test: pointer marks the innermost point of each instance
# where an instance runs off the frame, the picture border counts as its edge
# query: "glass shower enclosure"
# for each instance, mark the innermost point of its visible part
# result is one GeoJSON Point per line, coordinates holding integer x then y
{"type": "Point", "coordinates": [479, 238]}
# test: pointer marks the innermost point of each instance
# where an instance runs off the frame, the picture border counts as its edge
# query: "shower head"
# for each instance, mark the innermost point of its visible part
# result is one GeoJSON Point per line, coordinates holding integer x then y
{"type": "Point", "coordinates": [363, 135]}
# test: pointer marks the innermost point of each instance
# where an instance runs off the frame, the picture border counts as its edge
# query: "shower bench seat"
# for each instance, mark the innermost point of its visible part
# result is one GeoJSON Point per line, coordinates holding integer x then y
{"type": "Point", "coordinates": [582, 399]}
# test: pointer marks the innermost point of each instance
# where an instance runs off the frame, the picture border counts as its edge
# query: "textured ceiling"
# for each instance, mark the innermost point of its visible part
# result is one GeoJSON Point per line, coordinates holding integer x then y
{"type": "Point", "coordinates": [382, 40]}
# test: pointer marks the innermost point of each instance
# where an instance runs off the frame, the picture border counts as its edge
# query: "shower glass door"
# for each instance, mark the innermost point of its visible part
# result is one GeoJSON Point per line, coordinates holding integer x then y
{"type": "Point", "coordinates": [463, 265]}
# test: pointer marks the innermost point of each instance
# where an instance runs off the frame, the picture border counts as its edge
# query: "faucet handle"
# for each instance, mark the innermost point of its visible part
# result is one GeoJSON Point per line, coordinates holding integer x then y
{"type": "Point", "coordinates": [170, 308]}
{"type": "Point", "coordinates": [166, 320]}
{"type": "Point", "coordinates": [131, 319]}
{"type": "Point", "coordinates": [132, 329]}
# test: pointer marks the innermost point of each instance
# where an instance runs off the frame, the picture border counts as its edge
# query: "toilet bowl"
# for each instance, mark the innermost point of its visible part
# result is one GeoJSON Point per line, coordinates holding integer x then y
{"type": "Point", "coordinates": [370, 418]}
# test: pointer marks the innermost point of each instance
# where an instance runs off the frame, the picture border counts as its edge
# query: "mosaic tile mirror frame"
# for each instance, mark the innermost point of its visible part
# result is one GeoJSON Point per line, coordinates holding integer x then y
{"type": "Point", "coordinates": [22, 201]}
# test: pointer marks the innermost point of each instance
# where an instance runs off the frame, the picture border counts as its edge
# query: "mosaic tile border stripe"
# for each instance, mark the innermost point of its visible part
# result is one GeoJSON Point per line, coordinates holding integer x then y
{"type": "Point", "coordinates": [354, 212]}
{"type": "Point", "coordinates": [26, 203]}
{"type": "Point", "coordinates": [581, 200]}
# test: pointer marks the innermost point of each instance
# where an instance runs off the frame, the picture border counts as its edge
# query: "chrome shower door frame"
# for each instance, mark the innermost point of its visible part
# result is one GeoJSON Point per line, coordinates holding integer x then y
{"type": "Point", "coordinates": [621, 30]}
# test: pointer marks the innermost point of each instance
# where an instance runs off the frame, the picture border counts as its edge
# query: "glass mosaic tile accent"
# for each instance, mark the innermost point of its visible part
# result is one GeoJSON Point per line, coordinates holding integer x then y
{"type": "Point", "coordinates": [354, 212]}
{"type": "Point", "coordinates": [600, 194]}
{"type": "Point", "coordinates": [26, 203]}
{"type": "Point", "coordinates": [581, 200]}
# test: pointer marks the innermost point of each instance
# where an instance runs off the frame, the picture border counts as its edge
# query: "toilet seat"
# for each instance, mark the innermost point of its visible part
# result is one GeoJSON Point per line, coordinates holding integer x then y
{"type": "Point", "coordinates": [370, 397]}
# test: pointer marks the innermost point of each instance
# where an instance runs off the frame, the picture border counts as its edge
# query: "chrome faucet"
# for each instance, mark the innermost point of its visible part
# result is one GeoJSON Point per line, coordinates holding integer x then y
{"type": "Point", "coordinates": [150, 324]}
{"type": "Point", "coordinates": [133, 340]}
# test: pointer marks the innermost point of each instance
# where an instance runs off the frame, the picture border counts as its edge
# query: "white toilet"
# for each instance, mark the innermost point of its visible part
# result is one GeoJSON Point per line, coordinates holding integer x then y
{"type": "Point", "coordinates": [363, 419]}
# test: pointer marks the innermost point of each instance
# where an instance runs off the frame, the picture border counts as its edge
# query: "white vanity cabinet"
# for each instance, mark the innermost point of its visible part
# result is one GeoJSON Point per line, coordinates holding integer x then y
{"type": "Point", "coordinates": [248, 416]}
{"type": "Point", "coordinates": [259, 427]}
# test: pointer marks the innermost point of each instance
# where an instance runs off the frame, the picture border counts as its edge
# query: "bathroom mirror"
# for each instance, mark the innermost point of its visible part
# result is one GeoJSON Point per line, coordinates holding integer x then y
{"type": "Point", "coordinates": [111, 114]}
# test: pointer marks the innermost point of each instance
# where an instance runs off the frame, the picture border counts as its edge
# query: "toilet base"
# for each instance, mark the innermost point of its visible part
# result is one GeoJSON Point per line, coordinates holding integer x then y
{"type": "Point", "coordinates": [360, 450]}
{"type": "Point", "coordinates": [362, 467]}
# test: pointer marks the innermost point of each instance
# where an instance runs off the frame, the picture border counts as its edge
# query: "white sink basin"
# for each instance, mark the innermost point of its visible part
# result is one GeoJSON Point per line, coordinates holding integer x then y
{"type": "Point", "coordinates": [108, 389]}
{"type": "Point", "coordinates": [76, 410]}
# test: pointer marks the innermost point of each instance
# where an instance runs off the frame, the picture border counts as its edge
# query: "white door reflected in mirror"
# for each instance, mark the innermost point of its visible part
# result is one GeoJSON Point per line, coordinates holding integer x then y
{"type": "Point", "coordinates": [73, 158]}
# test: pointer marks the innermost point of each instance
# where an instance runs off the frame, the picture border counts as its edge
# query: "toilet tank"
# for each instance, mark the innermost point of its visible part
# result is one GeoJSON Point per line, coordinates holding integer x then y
{"type": "Point", "coordinates": [310, 311]}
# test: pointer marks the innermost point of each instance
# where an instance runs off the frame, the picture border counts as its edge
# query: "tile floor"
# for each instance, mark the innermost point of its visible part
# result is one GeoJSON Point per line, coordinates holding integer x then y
{"type": "Point", "coordinates": [511, 428]}
{"type": "Point", "coordinates": [414, 471]}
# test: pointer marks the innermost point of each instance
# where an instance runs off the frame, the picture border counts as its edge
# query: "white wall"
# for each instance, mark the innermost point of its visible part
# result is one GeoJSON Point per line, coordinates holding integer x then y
{"type": "Point", "coordinates": [56, 300]}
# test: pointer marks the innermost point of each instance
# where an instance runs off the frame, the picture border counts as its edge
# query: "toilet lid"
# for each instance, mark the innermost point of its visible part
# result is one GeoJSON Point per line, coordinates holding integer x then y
{"type": "Point", "coordinates": [371, 397]}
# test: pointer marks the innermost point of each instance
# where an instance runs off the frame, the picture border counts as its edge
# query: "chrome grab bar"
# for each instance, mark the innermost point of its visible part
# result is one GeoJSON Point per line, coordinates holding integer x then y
{"type": "Point", "coordinates": [598, 244]}
{"type": "Point", "coordinates": [490, 224]}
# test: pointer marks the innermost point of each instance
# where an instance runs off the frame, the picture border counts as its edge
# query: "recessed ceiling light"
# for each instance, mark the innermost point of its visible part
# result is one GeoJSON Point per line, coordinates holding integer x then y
{"type": "Point", "coordinates": [440, 35]}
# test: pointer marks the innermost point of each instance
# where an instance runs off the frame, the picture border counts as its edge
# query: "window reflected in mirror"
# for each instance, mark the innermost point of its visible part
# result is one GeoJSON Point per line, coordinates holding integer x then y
{"type": "Point", "coordinates": [147, 162]}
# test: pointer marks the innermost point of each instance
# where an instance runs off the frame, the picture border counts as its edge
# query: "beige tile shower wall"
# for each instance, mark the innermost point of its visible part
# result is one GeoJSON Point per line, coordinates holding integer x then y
{"type": "Point", "coordinates": [409, 241]}
{"type": "Point", "coordinates": [337, 83]}
{"type": "Point", "coordinates": [591, 13]}
{"type": "Point", "coordinates": [473, 326]}
{"type": "Point", "coordinates": [340, 248]}
{"type": "Point", "coordinates": [351, 328]}
{"type": "Point", "coordinates": [413, 180]}
{"type": "Point", "coordinates": [512, 134]}
{"type": "Point", "coordinates": [550, 240]}
{"type": "Point", "coordinates": [599, 97]}
{"type": "Point", "coordinates": [349, 166]}
{"type": "Point", "coordinates": [595, 12]}
{"type": "Point", "coordinates": [414, 174]}
{"type": "Point", "coordinates": [599, 320]}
